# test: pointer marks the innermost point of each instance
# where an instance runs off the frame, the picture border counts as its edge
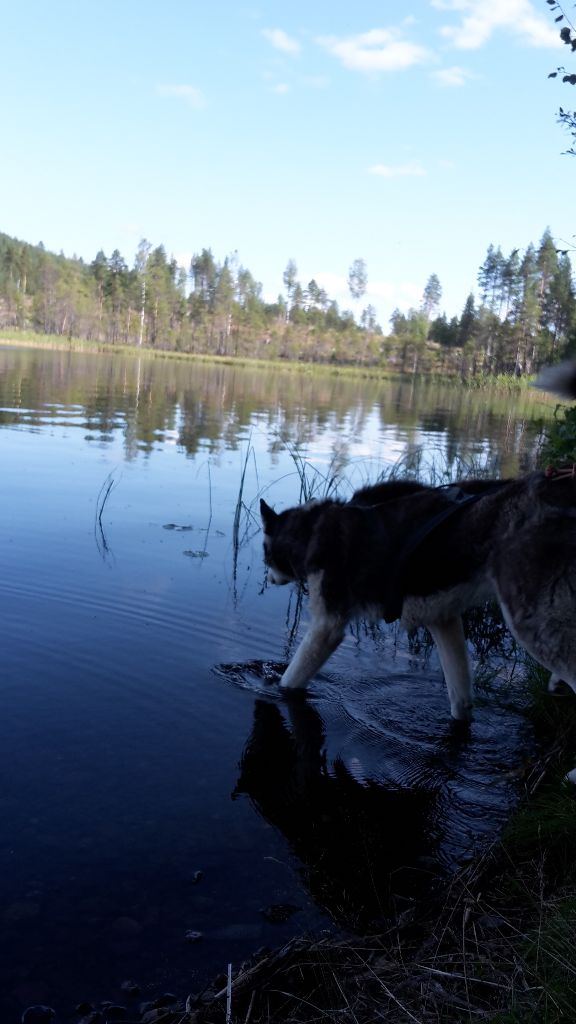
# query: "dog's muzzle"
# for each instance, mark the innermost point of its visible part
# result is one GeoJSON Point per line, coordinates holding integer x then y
{"type": "Point", "coordinates": [278, 578]}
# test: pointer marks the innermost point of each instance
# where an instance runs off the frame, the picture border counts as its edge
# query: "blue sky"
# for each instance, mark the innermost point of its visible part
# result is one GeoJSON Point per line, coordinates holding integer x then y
{"type": "Point", "coordinates": [409, 134]}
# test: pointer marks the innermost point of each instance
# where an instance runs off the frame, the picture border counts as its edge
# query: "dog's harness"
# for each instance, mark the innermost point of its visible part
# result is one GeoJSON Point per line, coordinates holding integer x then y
{"type": "Point", "coordinates": [560, 472]}
{"type": "Point", "coordinates": [458, 500]}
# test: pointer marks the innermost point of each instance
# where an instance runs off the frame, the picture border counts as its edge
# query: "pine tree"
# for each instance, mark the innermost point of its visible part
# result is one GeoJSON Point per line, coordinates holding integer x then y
{"type": "Point", "coordinates": [432, 296]}
{"type": "Point", "coordinates": [358, 279]}
{"type": "Point", "coordinates": [289, 278]}
{"type": "Point", "coordinates": [467, 324]}
{"type": "Point", "coordinates": [490, 277]}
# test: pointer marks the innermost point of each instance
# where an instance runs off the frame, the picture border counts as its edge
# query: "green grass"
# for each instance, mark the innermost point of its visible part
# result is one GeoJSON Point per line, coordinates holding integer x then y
{"type": "Point", "coordinates": [560, 445]}
{"type": "Point", "coordinates": [506, 381]}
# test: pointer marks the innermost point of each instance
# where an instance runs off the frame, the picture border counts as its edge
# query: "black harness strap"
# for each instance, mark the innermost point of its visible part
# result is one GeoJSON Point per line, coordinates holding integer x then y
{"type": "Point", "coordinates": [458, 500]}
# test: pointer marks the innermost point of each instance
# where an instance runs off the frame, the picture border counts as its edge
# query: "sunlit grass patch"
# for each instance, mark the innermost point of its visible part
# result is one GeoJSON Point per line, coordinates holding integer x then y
{"type": "Point", "coordinates": [560, 443]}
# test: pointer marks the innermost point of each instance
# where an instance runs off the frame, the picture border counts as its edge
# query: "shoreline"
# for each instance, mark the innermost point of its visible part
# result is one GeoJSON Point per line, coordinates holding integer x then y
{"type": "Point", "coordinates": [27, 339]}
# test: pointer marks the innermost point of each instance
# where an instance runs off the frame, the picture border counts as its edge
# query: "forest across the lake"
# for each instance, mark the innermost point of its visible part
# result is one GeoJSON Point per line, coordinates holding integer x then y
{"type": "Point", "coordinates": [523, 316]}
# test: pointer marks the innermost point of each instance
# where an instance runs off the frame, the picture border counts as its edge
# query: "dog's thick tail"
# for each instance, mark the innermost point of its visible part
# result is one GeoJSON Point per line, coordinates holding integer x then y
{"type": "Point", "coordinates": [559, 379]}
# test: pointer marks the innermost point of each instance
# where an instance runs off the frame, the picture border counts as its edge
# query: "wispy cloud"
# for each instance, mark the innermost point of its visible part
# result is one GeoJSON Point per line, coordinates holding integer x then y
{"type": "Point", "coordinates": [192, 96]}
{"type": "Point", "coordinates": [454, 76]}
{"type": "Point", "coordinates": [280, 40]}
{"type": "Point", "coordinates": [481, 18]}
{"type": "Point", "coordinates": [410, 170]}
{"type": "Point", "coordinates": [403, 294]}
{"type": "Point", "coordinates": [297, 83]}
{"type": "Point", "coordinates": [380, 49]}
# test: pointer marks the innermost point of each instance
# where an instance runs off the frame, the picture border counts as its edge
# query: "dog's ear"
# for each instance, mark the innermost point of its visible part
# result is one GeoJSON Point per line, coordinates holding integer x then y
{"type": "Point", "coordinates": [268, 515]}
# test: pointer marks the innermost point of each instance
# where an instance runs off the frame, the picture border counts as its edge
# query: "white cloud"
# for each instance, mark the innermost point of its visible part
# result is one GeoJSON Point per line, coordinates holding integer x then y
{"type": "Point", "coordinates": [184, 258]}
{"type": "Point", "coordinates": [188, 93]}
{"type": "Point", "coordinates": [280, 40]}
{"type": "Point", "coordinates": [281, 88]}
{"type": "Point", "coordinates": [481, 18]}
{"type": "Point", "coordinates": [411, 170]}
{"type": "Point", "coordinates": [454, 76]}
{"type": "Point", "coordinates": [334, 284]}
{"type": "Point", "coordinates": [379, 49]}
{"type": "Point", "coordinates": [403, 294]}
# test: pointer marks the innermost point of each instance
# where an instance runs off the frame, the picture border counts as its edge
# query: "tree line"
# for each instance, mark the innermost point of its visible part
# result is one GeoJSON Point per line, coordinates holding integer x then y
{"type": "Point", "coordinates": [523, 315]}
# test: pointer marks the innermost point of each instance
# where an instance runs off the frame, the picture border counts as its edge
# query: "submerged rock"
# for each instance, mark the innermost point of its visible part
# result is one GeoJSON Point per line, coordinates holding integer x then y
{"type": "Point", "coordinates": [278, 913]}
{"type": "Point", "coordinates": [130, 987]}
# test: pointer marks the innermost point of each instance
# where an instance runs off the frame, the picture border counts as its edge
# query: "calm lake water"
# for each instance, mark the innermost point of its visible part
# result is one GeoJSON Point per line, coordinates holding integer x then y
{"type": "Point", "coordinates": [153, 783]}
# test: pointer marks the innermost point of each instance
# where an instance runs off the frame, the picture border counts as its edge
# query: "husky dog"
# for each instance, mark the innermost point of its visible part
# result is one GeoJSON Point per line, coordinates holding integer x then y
{"type": "Point", "coordinates": [403, 550]}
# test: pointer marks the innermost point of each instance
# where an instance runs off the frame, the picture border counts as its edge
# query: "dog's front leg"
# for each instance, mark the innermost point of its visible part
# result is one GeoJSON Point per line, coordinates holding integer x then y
{"type": "Point", "coordinates": [451, 643]}
{"type": "Point", "coordinates": [325, 633]}
{"type": "Point", "coordinates": [316, 647]}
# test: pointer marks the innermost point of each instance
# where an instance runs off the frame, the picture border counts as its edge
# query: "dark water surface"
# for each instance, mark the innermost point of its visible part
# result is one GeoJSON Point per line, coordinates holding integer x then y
{"type": "Point", "coordinates": [153, 783]}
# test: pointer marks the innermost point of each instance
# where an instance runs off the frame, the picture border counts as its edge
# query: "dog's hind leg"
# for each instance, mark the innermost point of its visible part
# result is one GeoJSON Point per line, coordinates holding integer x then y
{"type": "Point", "coordinates": [451, 643]}
{"type": "Point", "coordinates": [535, 578]}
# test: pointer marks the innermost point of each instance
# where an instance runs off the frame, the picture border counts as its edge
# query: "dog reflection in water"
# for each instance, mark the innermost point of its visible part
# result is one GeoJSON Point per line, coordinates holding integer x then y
{"type": "Point", "coordinates": [367, 852]}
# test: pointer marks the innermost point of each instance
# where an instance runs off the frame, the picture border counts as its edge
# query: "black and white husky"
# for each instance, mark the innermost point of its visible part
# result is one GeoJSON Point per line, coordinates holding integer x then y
{"type": "Point", "coordinates": [402, 550]}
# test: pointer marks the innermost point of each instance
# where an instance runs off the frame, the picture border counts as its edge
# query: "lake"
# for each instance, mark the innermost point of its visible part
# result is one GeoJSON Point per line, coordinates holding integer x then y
{"type": "Point", "coordinates": [163, 811]}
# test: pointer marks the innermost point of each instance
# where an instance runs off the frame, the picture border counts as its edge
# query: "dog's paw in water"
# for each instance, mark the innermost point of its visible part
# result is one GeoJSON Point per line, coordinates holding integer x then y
{"type": "Point", "coordinates": [258, 676]}
{"type": "Point", "coordinates": [559, 687]}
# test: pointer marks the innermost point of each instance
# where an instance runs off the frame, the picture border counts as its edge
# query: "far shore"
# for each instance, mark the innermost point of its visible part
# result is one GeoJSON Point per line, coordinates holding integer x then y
{"type": "Point", "coordinates": [28, 339]}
